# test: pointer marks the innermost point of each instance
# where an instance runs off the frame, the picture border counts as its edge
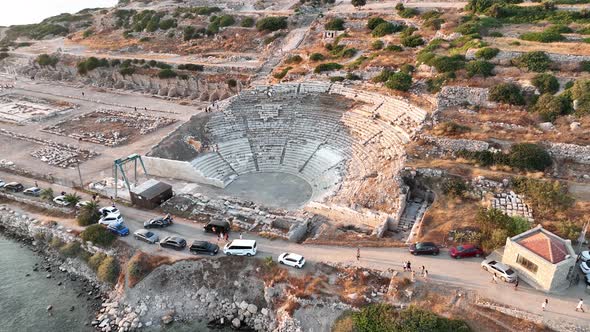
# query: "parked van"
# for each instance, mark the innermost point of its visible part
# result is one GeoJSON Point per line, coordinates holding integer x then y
{"type": "Point", "coordinates": [240, 248]}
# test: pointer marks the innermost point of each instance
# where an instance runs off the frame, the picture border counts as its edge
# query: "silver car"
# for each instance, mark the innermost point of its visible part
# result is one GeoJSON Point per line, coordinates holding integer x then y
{"type": "Point", "coordinates": [503, 271]}
{"type": "Point", "coordinates": [146, 236]}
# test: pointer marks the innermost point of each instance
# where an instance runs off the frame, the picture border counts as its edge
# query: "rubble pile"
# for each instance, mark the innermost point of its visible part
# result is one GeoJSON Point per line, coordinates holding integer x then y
{"type": "Point", "coordinates": [512, 205]}
{"type": "Point", "coordinates": [102, 123]}
{"type": "Point", "coordinates": [53, 153]}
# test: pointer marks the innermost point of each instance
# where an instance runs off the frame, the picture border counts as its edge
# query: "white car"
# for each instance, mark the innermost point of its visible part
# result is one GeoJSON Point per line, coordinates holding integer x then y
{"type": "Point", "coordinates": [61, 200]}
{"type": "Point", "coordinates": [585, 267]}
{"type": "Point", "coordinates": [2, 183]}
{"type": "Point", "coordinates": [109, 211]}
{"type": "Point", "coordinates": [585, 256]}
{"type": "Point", "coordinates": [110, 219]}
{"type": "Point", "coordinates": [80, 204]}
{"type": "Point", "coordinates": [33, 191]}
{"type": "Point", "coordinates": [503, 271]}
{"type": "Point", "coordinates": [293, 260]}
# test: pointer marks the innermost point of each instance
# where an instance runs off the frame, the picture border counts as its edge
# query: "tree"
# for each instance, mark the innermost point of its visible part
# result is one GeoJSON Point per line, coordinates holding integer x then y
{"type": "Point", "coordinates": [72, 199]}
{"type": "Point", "coordinates": [412, 41]}
{"type": "Point", "coordinates": [546, 83]}
{"type": "Point", "coordinates": [529, 156]}
{"type": "Point", "coordinates": [399, 81]}
{"type": "Point", "coordinates": [536, 61]}
{"type": "Point", "coordinates": [373, 22]}
{"type": "Point", "coordinates": [508, 93]}
{"type": "Point", "coordinates": [581, 95]}
{"type": "Point", "coordinates": [487, 53]}
{"type": "Point", "coordinates": [568, 229]}
{"type": "Point", "coordinates": [247, 22]}
{"type": "Point", "coordinates": [358, 3]}
{"type": "Point", "coordinates": [88, 214]}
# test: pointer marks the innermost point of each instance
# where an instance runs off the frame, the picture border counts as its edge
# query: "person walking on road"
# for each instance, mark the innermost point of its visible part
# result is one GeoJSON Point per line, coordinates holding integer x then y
{"type": "Point", "coordinates": [413, 276]}
{"type": "Point", "coordinates": [494, 279]}
{"type": "Point", "coordinates": [516, 285]}
{"type": "Point", "coordinates": [425, 275]}
{"type": "Point", "coordinates": [240, 235]}
{"type": "Point", "coordinates": [409, 266]}
{"type": "Point", "coordinates": [358, 254]}
{"type": "Point", "coordinates": [422, 271]}
{"type": "Point", "coordinates": [544, 305]}
{"type": "Point", "coordinates": [580, 306]}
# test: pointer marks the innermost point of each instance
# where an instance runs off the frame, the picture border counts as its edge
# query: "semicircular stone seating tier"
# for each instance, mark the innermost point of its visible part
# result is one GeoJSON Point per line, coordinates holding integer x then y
{"type": "Point", "coordinates": [306, 130]}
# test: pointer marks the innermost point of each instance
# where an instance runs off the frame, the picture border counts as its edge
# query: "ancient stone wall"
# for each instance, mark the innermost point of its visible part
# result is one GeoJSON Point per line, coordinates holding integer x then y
{"type": "Point", "coordinates": [461, 95]}
{"type": "Point", "coordinates": [573, 152]}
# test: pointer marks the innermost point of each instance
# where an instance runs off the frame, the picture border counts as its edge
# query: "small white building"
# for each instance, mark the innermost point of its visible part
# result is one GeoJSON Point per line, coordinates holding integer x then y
{"type": "Point", "coordinates": [541, 258]}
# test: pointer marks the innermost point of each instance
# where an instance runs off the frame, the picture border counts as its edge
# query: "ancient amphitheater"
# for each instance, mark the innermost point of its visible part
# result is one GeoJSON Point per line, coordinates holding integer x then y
{"type": "Point", "coordinates": [315, 144]}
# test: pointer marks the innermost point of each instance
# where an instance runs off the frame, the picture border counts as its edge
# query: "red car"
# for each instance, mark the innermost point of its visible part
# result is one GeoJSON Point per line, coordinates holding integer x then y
{"type": "Point", "coordinates": [465, 250]}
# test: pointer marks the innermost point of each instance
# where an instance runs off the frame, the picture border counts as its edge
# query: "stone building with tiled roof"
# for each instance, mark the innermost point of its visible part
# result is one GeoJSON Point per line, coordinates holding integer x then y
{"type": "Point", "coordinates": [541, 258]}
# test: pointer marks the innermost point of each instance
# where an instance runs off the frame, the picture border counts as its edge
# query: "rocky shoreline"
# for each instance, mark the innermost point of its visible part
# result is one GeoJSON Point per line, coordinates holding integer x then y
{"type": "Point", "coordinates": [70, 272]}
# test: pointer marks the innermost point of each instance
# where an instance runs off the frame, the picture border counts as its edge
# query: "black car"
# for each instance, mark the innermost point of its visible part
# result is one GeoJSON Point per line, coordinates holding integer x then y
{"type": "Point", "coordinates": [14, 187]}
{"type": "Point", "coordinates": [158, 222]}
{"type": "Point", "coordinates": [173, 242]}
{"type": "Point", "coordinates": [217, 227]}
{"type": "Point", "coordinates": [204, 247]}
{"type": "Point", "coordinates": [424, 248]}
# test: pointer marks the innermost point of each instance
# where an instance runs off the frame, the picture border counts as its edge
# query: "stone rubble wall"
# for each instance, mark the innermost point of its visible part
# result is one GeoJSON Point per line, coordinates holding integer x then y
{"type": "Point", "coordinates": [512, 205]}
{"type": "Point", "coordinates": [577, 153]}
{"type": "Point", "coordinates": [454, 145]}
{"type": "Point", "coordinates": [450, 96]}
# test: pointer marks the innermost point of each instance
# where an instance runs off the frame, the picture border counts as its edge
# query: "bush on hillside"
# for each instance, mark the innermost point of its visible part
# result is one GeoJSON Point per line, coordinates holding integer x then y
{"type": "Point", "coordinates": [568, 229]}
{"type": "Point", "coordinates": [46, 60]}
{"type": "Point", "coordinates": [108, 271]}
{"type": "Point", "coordinates": [329, 66]}
{"type": "Point", "coordinates": [508, 93]}
{"type": "Point", "coordinates": [166, 73]}
{"type": "Point", "coordinates": [581, 93]}
{"type": "Point", "coordinates": [247, 22]}
{"type": "Point", "coordinates": [386, 28]}
{"type": "Point", "coordinates": [316, 57]}
{"type": "Point", "coordinates": [335, 24]}
{"type": "Point", "coordinates": [399, 81]}
{"type": "Point", "coordinates": [546, 197]}
{"type": "Point", "coordinates": [98, 235]}
{"type": "Point", "coordinates": [536, 61]}
{"type": "Point", "coordinates": [549, 107]}
{"type": "Point", "coordinates": [529, 156]}
{"type": "Point", "coordinates": [454, 187]}
{"type": "Point", "coordinates": [377, 44]}
{"type": "Point", "coordinates": [445, 64]}
{"type": "Point", "coordinates": [373, 22]}
{"type": "Point", "coordinates": [394, 48]}
{"type": "Point", "coordinates": [71, 249]}
{"type": "Point", "coordinates": [543, 37]}
{"type": "Point", "coordinates": [412, 41]}
{"type": "Point", "coordinates": [95, 260]}
{"type": "Point", "coordinates": [487, 53]}
{"type": "Point", "coordinates": [272, 23]}
{"type": "Point", "coordinates": [480, 68]}
{"type": "Point", "coordinates": [546, 83]}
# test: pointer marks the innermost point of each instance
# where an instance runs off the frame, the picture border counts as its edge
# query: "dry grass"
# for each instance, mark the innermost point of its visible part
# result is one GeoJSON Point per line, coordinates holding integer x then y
{"type": "Point", "coordinates": [144, 264]}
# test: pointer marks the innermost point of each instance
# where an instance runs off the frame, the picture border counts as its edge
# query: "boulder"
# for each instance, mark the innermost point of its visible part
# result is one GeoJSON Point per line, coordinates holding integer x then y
{"type": "Point", "coordinates": [252, 308]}
{"type": "Point", "coordinates": [167, 319]}
{"type": "Point", "coordinates": [236, 323]}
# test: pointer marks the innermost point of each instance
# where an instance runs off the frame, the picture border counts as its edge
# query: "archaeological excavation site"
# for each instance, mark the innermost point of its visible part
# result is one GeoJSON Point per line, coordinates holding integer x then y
{"type": "Point", "coordinates": [338, 140]}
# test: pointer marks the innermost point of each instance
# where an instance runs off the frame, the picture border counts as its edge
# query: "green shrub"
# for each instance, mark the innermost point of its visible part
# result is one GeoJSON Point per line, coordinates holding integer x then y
{"type": "Point", "coordinates": [98, 235]}
{"type": "Point", "coordinates": [337, 78]}
{"type": "Point", "coordinates": [386, 28]}
{"type": "Point", "coordinates": [483, 158]}
{"type": "Point", "coordinates": [543, 37]}
{"type": "Point", "coordinates": [495, 227]}
{"type": "Point", "coordinates": [412, 41]}
{"type": "Point", "coordinates": [480, 68]}
{"type": "Point", "coordinates": [373, 22]}
{"type": "Point", "coordinates": [282, 73]}
{"type": "Point", "coordinates": [568, 229]}
{"type": "Point", "coordinates": [329, 66]}
{"type": "Point", "coordinates": [272, 23]}
{"type": "Point", "coordinates": [138, 267]}
{"type": "Point", "coordinates": [108, 271]}
{"type": "Point", "coordinates": [247, 22]}
{"type": "Point", "coordinates": [87, 33]}
{"type": "Point", "coordinates": [496, 34]}
{"type": "Point", "coordinates": [335, 24]}
{"type": "Point", "coordinates": [56, 242]}
{"type": "Point", "coordinates": [536, 61]}
{"type": "Point", "coordinates": [454, 187]}
{"type": "Point", "coordinates": [294, 59]}
{"type": "Point", "coordinates": [508, 93]}
{"type": "Point", "coordinates": [407, 68]}
{"type": "Point", "coordinates": [580, 92]}
{"type": "Point", "coordinates": [46, 194]}
{"type": "Point", "coordinates": [385, 318]}
{"type": "Point", "coordinates": [549, 107]}
{"type": "Point", "coordinates": [394, 48]}
{"type": "Point", "coordinates": [166, 73]}
{"type": "Point", "coordinates": [546, 197]}
{"type": "Point", "coordinates": [127, 71]}
{"type": "Point", "coordinates": [358, 3]}
{"type": "Point", "coordinates": [529, 156]}
{"type": "Point", "coordinates": [399, 81]}
{"type": "Point", "coordinates": [71, 249]}
{"type": "Point", "coordinates": [90, 64]}
{"type": "Point", "coordinates": [232, 83]}
{"type": "Point", "coordinates": [168, 24]}
{"type": "Point", "coordinates": [377, 44]}
{"type": "Point", "coordinates": [546, 83]}
{"type": "Point", "coordinates": [450, 128]}
{"type": "Point", "coordinates": [348, 53]}
{"type": "Point", "coordinates": [383, 76]}
{"type": "Point", "coordinates": [226, 20]}
{"type": "Point", "coordinates": [585, 66]}
{"type": "Point", "coordinates": [445, 64]}
{"type": "Point", "coordinates": [46, 60]}
{"type": "Point", "coordinates": [95, 260]}
{"type": "Point", "coordinates": [316, 57]}
{"type": "Point", "coordinates": [433, 85]}
{"type": "Point", "coordinates": [407, 12]}
{"type": "Point", "coordinates": [191, 67]}
{"type": "Point", "coordinates": [487, 53]}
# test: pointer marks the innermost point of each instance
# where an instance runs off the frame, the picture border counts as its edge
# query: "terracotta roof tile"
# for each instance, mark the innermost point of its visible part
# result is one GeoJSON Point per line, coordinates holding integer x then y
{"type": "Point", "coordinates": [545, 245]}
